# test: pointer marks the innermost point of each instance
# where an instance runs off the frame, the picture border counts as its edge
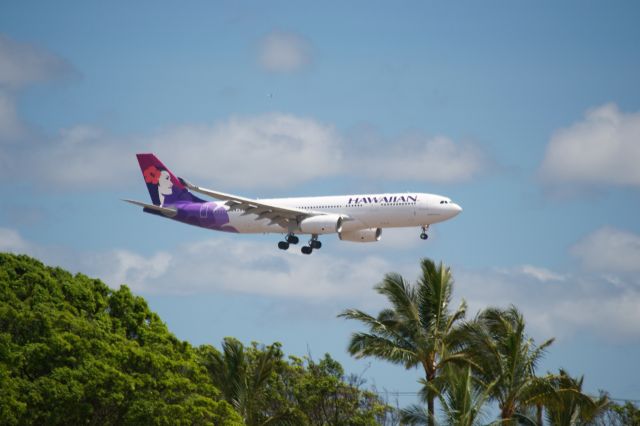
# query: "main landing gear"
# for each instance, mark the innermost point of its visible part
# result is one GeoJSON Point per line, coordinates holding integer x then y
{"type": "Point", "coordinates": [423, 235]}
{"type": "Point", "coordinates": [289, 239]}
{"type": "Point", "coordinates": [313, 244]}
{"type": "Point", "coordinates": [292, 239]}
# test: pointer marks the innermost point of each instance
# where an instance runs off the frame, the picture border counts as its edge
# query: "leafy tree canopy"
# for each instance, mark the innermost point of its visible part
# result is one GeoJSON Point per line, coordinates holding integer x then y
{"type": "Point", "coordinates": [74, 351]}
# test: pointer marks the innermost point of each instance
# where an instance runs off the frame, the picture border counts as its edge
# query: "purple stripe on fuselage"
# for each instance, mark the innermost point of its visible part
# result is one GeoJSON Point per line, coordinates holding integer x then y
{"type": "Point", "coordinates": [208, 215]}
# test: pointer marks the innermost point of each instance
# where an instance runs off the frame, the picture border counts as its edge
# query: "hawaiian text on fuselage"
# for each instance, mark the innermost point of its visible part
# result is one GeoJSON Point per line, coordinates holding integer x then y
{"type": "Point", "coordinates": [384, 199]}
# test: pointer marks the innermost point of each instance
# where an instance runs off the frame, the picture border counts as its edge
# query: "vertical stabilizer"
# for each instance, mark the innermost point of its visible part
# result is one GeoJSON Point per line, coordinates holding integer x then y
{"type": "Point", "coordinates": [164, 187]}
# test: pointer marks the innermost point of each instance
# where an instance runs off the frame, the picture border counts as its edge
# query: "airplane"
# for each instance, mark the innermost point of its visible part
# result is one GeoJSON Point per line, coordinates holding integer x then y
{"type": "Point", "coordinates": [357, 218]}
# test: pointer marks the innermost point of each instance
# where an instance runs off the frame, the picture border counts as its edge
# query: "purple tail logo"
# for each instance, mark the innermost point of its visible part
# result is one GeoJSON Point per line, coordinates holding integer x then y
{"type": "Point", "coordinates": [164, 187]}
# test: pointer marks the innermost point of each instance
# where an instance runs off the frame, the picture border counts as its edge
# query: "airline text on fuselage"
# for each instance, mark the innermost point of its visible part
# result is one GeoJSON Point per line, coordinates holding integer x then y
{"type": "Point", "coordinates": [384, 199]}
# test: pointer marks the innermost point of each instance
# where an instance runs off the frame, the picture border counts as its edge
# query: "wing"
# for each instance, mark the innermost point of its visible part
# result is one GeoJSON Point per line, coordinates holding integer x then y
{"type": "Point", "coordinates": [283, 216]}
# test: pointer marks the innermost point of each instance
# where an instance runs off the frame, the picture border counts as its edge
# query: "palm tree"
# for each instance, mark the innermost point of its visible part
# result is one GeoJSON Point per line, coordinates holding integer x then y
{"type": "Point", "coordinates": [568, 406]}
{"type": "Point", "coordinates": [503, 354]}
{"type": "Point", "coordinates": [242, 378]}
{"type": "Point", "coordinates": [461, 397]}
{"type": "Point", "coordinates": [418, 329]}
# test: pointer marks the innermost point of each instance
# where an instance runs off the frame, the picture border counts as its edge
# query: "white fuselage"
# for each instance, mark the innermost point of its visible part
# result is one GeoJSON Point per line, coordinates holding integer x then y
{"type": "Point", "coordinates": [364, 211]}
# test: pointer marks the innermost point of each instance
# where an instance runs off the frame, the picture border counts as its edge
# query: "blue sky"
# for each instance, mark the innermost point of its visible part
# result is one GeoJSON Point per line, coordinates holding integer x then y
{"type": "Point", "coordinates": [526, 114]}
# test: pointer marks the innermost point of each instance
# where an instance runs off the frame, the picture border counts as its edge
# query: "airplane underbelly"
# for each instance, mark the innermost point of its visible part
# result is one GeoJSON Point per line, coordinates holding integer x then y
{"type": "Point", "coordinates": [426, 216]}
{"type": "Point", "coordinates": [249, 225]}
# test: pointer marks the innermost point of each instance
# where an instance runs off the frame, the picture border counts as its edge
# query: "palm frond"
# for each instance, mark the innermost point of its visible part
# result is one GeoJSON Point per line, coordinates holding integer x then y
{"type": "Point", "coordinates": [414, 415]}
{"type": "Point", "coordinates": [401, 294]}
{"type": "Point", "coordinates": [364, 344]}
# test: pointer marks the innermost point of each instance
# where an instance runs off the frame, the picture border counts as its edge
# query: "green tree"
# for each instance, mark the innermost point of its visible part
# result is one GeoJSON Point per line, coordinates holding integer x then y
{"type": "Point", "coordinates": [503, 355]}
{"type": "Point", "coordinates": [243, 376]}
{"type": "Point", "coordinates": [418, 329]}
{"type": "Point", "coordinates": [568, 405]}
{"type": "Point", "coordinates": [614, 414]}
{"type": "Point", "coordinates": [327, 397]}
{"type": "Point", "coordinates": [266, 389]}
{"type": "Point", "coordinates": [461, 398]}
{"type": "Point", "coordinates": [74, 351]}
{"type": "Point", "coordinates": [628, 414]}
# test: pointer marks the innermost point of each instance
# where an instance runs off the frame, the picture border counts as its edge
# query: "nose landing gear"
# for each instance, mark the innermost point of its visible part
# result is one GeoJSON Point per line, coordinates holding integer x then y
{"type": "Point", "coordinates": [423, 235]}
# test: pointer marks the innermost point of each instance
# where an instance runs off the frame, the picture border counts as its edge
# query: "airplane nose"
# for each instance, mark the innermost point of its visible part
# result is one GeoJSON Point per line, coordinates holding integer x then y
{"type": "Point", "coordinates": [456, 209]}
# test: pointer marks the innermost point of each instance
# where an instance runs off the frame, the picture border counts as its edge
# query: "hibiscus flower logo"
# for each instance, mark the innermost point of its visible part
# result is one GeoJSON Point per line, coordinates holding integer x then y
{"type": "Point", "coordinates": [152, 175]}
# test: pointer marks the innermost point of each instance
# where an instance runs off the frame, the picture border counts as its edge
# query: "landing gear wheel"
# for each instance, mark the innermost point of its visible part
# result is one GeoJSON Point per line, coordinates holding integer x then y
{"type": "Point", "coordinates": [424, 235]}
{"type": "Point", "coordinates": [306, 250]}
{"type": "Point", "coordinates": [292, 239]}
{"type": "Point", "coordinates": [315, 244]}
{"type": "Point", "coordinates": [283, 245]}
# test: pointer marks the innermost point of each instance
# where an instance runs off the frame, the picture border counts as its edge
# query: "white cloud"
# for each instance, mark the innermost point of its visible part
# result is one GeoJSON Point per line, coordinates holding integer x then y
{"type": "Point", "coordinates": [233, 265]}
{"type": "Point", "coordinates": [272, 150]}
{"type": "Point", "coordinates": [22, 64]}
{"type": "Point", "coordinates": [223, 264]}
{"type": "Point", "coordinates": [613, 316]}
{"type": "Point", "coordinates": [541, 274]}
{"type": "Point", "coordinates": [267, 151]}
{"type": "Point", "coordinates": [554, 304]}
{"type": "Point", "coordinates": [437, 159]}
{"type": "Point", "coordinates": [603, 149]}
{"type": "Point", "coordinates": [610, 250]}
{"type": "Point", "coordinates": [557, 308]}
{"type": "Point", "coordinates": [11, 126]}
{"type": "Point", "coordinates": [284, 52]}
{"type": "Point", "coordinates": [126, 267]}
{"type": "Point", "coordinates": [11, 241]}
{"type": "Point", "coordinates": [82, 157]}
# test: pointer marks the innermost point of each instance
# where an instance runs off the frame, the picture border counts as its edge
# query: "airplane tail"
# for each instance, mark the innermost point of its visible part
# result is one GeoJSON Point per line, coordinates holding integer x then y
{"type": "Point", "coordinates": [164, 187]}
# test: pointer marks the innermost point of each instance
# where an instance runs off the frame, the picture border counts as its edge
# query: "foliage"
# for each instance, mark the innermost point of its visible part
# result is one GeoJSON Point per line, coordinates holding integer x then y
{"type": "Point", "coordinates": [73, 351]}
{"type": "Point", "coordinates": [502, 353]}
{"type": "Point", "coordinates": [242, 376]}
{"type": "Point", "coordinates": [461, 398]}
{"type": "Point", "coordinates": [267, 389]}
{"type": "Point", "coordinates": [418, 329]}
{"type": "Point", "coordinates": [567, 405]}
{"type": "Point", "coordinates": [328, 397]}
{"type": "Point", "coordinates": [627, 414]}
{"type": "Point", "coordinates": [489, 359]}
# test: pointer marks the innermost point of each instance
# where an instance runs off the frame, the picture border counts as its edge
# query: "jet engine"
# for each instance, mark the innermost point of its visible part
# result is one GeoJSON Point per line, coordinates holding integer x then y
{"type": "Point", "coordinates": [322, 224]}
{"type": "Point", "coordinates": [362, 235]}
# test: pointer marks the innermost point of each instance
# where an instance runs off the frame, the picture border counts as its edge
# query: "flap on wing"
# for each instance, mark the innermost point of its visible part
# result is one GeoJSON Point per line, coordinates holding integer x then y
{"type": "Point", "coordinates": [167, 211]}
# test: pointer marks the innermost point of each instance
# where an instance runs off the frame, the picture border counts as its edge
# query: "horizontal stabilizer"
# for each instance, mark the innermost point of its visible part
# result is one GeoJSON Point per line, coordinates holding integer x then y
{"type": "Point", "coordinates": [167, 211]}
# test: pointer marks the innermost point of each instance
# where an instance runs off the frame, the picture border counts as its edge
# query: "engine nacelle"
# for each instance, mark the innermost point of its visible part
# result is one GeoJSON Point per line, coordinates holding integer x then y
{"type": "Point", "coordinates": [368, 235]}
{"type": "Point", "coordinates": [322, 224]}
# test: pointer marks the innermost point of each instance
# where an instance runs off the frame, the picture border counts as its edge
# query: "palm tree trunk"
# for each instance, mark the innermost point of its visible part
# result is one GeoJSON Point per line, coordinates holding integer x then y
{"type": "Point", "coordinates": [507, 412]}
{"type": "Point", "coordinates": [431, 398]}
{"type": "Point", "coordinates": [431, 408]}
